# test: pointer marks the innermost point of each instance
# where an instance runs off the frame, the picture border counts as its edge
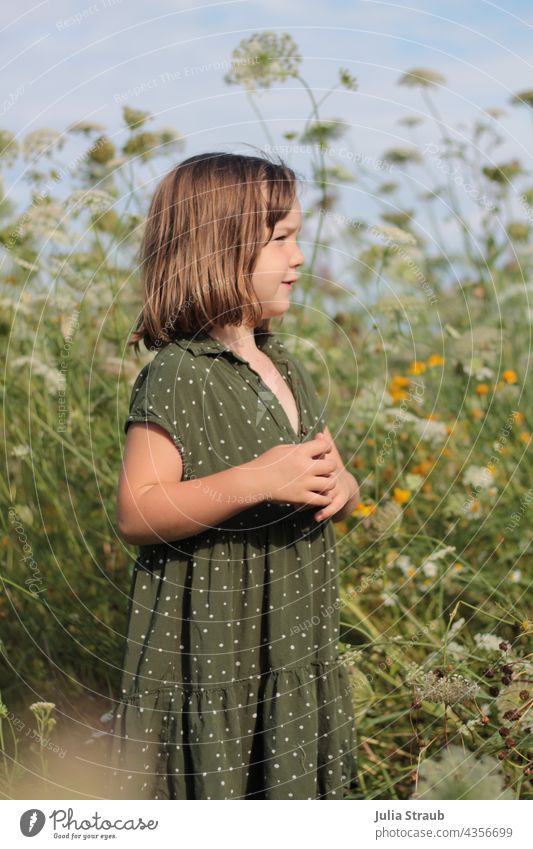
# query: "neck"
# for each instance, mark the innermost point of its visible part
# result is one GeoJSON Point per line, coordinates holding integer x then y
{"type": "Point", "coordinates": [240, 339]}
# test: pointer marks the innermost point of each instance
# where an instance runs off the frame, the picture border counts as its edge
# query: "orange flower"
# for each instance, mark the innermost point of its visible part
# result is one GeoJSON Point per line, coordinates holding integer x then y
{"type": "Point", "coordinates": [363, 509]}
{"type": "Point", "coordinates": [510, 376]}
{"type": "Point", "coordinates": [358, 462]}
{"type": "Point", "coordinates": [524, 436]}
{"type": "Point", "coordinates": [477, 413]}
{"type": "Point", "coordinates": [482, 389]}
{"type": "Point", "coordinates": [518, 417]}
{"type": "Point", "coordinates": [398, 380]}
{"type": "Point", "coordinates": [458, 567]}
{"type": "Point", "coordinates": [341, 527]}
{"type": "Point", "coordinates": [398, 394]}
{"type": "Point", "coordinates": [435, 360]}
{"type": "Point", "coordinates": [423, 468]}
{"type": "Point", "coordinates": [417, 367]}
{"type": "Point", "coordinates": [401, 496]}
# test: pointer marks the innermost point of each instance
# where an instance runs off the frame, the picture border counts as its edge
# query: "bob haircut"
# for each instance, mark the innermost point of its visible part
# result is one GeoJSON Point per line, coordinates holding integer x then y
{"type": "Point", "coordinates": [203, 236]}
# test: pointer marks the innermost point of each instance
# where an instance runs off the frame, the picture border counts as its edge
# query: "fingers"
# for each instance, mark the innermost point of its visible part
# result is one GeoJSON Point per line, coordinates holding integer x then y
{"type": "Point", "coordinates": [319, 445]}
{"type": "Point", "coordinates": [315, 499]}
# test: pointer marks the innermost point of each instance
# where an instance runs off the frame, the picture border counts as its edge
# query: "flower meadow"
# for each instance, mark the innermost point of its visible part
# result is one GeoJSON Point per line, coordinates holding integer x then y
{"type": "Point", "coordinates": [412, 314]}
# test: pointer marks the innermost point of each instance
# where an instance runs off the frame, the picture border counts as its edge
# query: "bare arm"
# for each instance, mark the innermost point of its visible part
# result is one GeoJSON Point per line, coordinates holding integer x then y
{"type": "Point", "coordinates": [155, 505]}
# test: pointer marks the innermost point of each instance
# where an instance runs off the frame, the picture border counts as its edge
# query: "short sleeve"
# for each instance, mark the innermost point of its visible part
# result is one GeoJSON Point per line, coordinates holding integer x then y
{"type": "Point", "coordinates": [152, 400]}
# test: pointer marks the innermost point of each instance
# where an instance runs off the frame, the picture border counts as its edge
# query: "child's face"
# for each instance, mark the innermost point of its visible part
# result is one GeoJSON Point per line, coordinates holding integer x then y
{"type": "Point", "coordinates": [277, 263]}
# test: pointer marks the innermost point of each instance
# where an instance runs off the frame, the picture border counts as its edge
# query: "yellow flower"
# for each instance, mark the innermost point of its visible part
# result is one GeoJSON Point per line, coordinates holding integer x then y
{"type": "Point", "coordinates": [458, 567]}
{"type": "Point", "coordinates": [363, 509]}
{"type": "Point", "coordinates": [398, 380]}
{"type": "Point", "coordinates": [398, 395]}
{"type": "Point", "coordinates": [435, 360]}
{"type": "Point", "coordinates": [510, 376]}
{"type": "Point", "coordinates": [524, 436]}
{"type": "Point", "coordinates": [417, 367]}
{"type": "Point", "coordinates": [426, 582]}
{"type": "Point", "coordinates": [518, 417]}
{"type": "Point", "coordinates": [401, 495]}
{"type": "Point", "coordinates": [410, 571]}
{"type": "Point", "coordinates": [482, 389]}
{"type": "Point", "coordinates": [492, 468]}
{"type": "Point", "coordinates": [423, 468]}
{"type": "Point", "coordinates": [525, 625]}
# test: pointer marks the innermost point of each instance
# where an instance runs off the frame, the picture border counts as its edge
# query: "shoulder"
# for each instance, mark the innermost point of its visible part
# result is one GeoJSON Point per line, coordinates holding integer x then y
{"type": "Point", "coordinates": [167, 365]}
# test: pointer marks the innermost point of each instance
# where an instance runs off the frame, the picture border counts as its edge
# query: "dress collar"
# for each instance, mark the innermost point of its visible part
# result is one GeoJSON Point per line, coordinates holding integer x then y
{"type": "Point", "coordinates": [203, 343]}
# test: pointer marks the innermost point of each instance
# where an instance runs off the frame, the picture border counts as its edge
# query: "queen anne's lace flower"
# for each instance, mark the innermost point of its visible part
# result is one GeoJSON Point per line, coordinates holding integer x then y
{"type": "Point", "coordinates": [457, 774]}
{"type": "Point", "coordinates": [263, 59]}
{"type": "Point", "coordinates": [94, 200]}
{"type": "Point", "coordinates": [422, 77]}
{"type": "Point", "coordinates": [448, 690]}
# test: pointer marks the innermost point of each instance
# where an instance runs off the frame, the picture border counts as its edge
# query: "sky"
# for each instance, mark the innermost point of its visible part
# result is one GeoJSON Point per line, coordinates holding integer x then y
{"type": "Point", "coordinates": [74, 60]}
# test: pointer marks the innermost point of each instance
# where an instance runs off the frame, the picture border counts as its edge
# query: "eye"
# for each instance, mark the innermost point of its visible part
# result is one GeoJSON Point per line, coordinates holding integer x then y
{"type": "Point", "coordinates": [278, 238]}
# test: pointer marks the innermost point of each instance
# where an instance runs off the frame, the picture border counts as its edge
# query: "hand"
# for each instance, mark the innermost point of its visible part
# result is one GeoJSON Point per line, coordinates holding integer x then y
{"type": "Point", "coordinates": [341, 492]}
{"type": "Point", "coordinates": [298, 473]}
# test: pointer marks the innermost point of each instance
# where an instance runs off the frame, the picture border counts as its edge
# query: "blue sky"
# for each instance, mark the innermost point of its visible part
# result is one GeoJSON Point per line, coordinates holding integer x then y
{"type": "Point", "coordinates": [71, 60]}
{"type": "Point", "coordinates": [64, 69]}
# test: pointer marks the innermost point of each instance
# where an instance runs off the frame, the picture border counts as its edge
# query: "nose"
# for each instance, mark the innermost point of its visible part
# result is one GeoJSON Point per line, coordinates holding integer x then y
{"type": "Point", "coordinates": [297, 258]}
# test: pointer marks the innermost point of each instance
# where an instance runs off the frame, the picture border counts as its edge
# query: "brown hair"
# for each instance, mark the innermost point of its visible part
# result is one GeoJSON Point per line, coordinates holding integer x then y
{"type": "Point", "coordinates": [202, 238]}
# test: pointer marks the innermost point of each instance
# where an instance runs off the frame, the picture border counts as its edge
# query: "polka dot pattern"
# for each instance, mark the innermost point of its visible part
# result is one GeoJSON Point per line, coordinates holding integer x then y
{"type": "Point", "coordinates": [232, 687]}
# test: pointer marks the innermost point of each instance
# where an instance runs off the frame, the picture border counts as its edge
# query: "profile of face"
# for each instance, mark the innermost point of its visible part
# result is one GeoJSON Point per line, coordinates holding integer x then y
{"type": "Point", "coordinates": [275, 271]}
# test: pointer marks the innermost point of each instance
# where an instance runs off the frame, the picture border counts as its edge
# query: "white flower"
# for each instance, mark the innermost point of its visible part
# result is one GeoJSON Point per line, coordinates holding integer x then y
{"type": "Point", "coordinates": [389, 599]}
{"type": "Point", "coordinates": [20, 450]}
{"type": "Point", "coordinates": [54, 378]}
{"type": "Point", "coordinates": [442, 552]}
{"type": "Point", "coordinates": [393, 234]}
{"type": "Point", "coordinates": [93, 199]}
{"type": "Point", "coordinates": [427, 429]}
{"type": "Point", "coordinates": [456, 650]}
{"type": "Point", "coordinates": [403, 562]}
{"type": "Point", "coordinates": [464, 728]}
{"type": "Point", "coordinates": [413, 482]}
{"type": "Point", "coordinates": [487, 642]}
{"type": "Point", "coordinates": [478, 476]}
{"type": "Point", "coordinates": [457, 625]}
{"type": "Point", "coordinates": [429, 568]}
{"type": "Point", "coordinates": [515, 575]}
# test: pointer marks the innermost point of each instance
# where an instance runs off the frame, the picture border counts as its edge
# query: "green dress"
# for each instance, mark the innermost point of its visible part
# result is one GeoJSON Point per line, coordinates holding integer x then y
{"type": "Point", "coordinates": [232, 685]}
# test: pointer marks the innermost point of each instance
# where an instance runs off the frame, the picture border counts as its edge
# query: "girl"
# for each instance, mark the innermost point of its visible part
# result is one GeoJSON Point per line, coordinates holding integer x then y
{"type": "Point", "coordinates": [232, 687]}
